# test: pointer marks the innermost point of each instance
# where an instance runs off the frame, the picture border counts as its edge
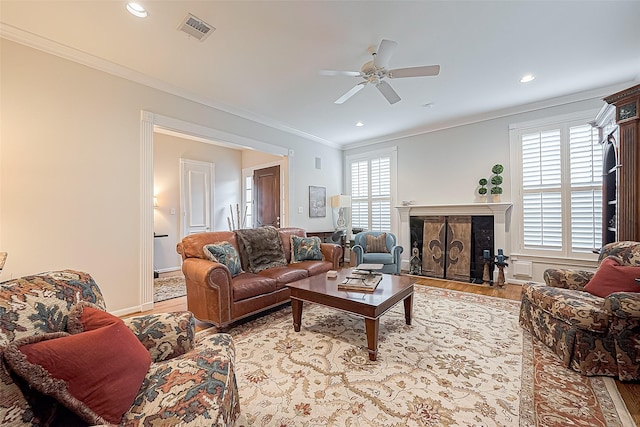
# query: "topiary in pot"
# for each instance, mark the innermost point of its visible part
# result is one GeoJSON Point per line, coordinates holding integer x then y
{"type": "Point", "coordinates": [482, 190]}
{"type": "Point", "coordinates": [496, 181]}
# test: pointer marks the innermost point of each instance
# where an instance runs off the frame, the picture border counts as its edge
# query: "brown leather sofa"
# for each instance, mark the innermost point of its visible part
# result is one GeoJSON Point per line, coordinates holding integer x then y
{"type": "Point", "coordinates": [214, 296]}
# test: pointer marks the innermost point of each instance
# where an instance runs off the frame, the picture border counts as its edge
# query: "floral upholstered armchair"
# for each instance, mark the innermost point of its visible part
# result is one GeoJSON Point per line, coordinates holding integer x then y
{"type": "Point", "coordinates": [66, 361]}
{"type": "Point", "coordinates": [591, 320]}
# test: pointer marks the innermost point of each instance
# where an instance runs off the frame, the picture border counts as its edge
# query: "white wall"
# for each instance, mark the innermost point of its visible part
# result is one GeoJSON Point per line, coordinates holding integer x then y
{"type": "Point", "coordinates": [443, 167]}
{"type": "Point", "coordinates": [70, 167]}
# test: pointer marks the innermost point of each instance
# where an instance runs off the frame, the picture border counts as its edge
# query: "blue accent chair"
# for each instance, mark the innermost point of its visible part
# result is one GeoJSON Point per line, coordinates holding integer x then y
{"type": "Point", "coordinates": [392, 260]}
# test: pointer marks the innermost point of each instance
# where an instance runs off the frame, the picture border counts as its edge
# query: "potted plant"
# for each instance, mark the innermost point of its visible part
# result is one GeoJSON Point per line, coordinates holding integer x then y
{"type": "Point", "coordinates": [482, 191]}
{"type": "Point", "coordinates": [496, 181]}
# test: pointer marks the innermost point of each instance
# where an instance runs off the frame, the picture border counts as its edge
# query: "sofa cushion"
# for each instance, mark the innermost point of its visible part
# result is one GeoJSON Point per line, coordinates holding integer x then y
{"type": "Point", "coordinates": [612, 277]}
{"type": "Point", "coordinates": [284, 275]}
{"type": "Point", "coordinates": [224, 253]}
{"type": "Point", "coordinates": [376, 244]}
{"type": "Point", "coordinates": [261, 248]}
{"type": "Point", "coordinates": [248, 285]}
{"type": "Point", "coordinates": [379, 258]}
{"type": "Point", "coordinates": [96, 374]}
{"type": "Point", "coordinates": [191, 246]}
{"type": "Point", "coordinates": [578, 308]}
{"type": "Point", "coordinates": [305, 249]}
{"type": "Point", "coordinates": [313, 267]}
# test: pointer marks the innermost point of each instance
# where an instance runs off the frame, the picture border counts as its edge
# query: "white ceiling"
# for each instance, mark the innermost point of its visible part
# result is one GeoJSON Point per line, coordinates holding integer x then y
{"type": "Point", "coordinates": [265, 57]}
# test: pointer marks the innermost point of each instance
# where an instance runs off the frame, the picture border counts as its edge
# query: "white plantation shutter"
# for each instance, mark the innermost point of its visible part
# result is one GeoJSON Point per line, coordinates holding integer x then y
{"type": "Point", "coordinates": [371, 193]}
{"type": "Point", "coordinates": [360, 194]}
{"type": "Point", "coordinates": [561, 170]}
{"type": "Point", "coordinates": [542, 220]}
{"type": "Point", "coordinates": [541, 182]}
{"type": "Point", "coordinates": [586, 188]}
{"type": "Point", "coordinates": [586, 220]}
{"type": "Point", "coordinates": [381, 194]}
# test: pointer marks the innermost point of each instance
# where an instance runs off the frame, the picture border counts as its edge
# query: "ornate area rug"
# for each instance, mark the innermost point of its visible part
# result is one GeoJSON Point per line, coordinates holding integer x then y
{"type": "Point", "coordinates": [464, 361]}
{"type": "Point", "coordinates": [165, 288]}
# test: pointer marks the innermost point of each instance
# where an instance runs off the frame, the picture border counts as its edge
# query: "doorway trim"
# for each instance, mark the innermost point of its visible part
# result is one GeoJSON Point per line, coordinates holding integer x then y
{"type": "Point", "coordinates": [150, 123]}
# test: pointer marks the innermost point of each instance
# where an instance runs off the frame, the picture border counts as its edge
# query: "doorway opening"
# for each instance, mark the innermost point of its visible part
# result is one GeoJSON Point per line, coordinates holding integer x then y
{"type": "Point", "coordinates": [151, 123]}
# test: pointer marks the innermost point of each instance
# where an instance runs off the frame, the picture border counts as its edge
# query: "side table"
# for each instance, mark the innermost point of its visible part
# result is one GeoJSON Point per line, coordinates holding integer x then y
{"type": "Point", "coordinates": [155, 272]}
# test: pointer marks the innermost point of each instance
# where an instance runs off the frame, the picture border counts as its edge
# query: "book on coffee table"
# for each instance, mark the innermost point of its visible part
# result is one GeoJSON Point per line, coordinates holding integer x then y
{"type": "Point", "coordinates": [360, 281]}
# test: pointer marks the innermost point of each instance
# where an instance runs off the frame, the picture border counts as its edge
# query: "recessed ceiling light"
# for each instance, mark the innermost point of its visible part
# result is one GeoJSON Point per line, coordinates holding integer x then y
{"type": "Point", "coordinates": [359, 124]}
{"type": "Point", "coordinates": [527, 78]}
{"type": "Point", "coordinates": [136, 10]}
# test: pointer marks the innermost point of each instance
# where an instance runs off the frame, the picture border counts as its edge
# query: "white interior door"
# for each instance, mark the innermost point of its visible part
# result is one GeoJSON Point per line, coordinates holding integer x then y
{"type": "Point", "coordinates": [196, 194]}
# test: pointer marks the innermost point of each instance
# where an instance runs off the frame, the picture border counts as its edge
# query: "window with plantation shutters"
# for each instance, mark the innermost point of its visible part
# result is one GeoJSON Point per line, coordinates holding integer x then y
{"type": "Point", "coordinates": [560, 172]}
{"type": "Point", "coordinates": [370, 182]}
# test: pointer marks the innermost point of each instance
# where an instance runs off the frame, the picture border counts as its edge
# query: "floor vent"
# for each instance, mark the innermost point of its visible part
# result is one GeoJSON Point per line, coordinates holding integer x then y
{"type": "Point", "coordinates": [196, 27]}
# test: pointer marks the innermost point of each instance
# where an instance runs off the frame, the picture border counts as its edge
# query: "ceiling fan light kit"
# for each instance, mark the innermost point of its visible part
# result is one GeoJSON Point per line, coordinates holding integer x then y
{"type": "Point", "coordinates": [375, 71]}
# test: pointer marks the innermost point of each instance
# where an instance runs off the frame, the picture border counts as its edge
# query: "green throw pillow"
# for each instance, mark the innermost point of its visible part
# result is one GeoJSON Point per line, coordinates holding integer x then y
{"type": "Point", "coordinates": [305, 249]}
{"type": "Point", "coordinates": [224, 253]}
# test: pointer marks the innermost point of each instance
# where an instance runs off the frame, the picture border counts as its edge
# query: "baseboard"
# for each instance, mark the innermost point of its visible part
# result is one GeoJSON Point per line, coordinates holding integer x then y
{"type": "Point", "coordinates": [128, 310]}
{"type": "Point", "coordinates": [135, 309]}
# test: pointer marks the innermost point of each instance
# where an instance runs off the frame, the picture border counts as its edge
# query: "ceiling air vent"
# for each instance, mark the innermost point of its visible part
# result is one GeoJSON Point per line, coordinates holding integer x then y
{"type": "Point", "coordinates": [196, 27]}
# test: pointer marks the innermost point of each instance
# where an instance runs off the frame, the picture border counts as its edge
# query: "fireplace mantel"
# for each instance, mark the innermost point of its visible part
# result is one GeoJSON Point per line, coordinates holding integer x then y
{"type": "Point", "coordinates": [501, 220]}
{"type": "Point", "coordinates": [455, 209]}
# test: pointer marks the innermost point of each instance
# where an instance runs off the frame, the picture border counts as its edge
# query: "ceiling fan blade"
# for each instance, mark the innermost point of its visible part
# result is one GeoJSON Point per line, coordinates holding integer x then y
{"type": "Point", "coordinates": [387, 91]}
{"type": "Point", "coordinates": [357, 88]}
{"type": "Point", "coordinates": [427, 70]}
{"type": "Point", "coordinates": [382, 56]}
{"type": "Point", "coordinates": [340, 73]}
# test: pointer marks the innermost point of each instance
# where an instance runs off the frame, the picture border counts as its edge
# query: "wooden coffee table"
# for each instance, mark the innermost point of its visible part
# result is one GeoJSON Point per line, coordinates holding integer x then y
{"type": "Point", "coordinates": [322, 290]}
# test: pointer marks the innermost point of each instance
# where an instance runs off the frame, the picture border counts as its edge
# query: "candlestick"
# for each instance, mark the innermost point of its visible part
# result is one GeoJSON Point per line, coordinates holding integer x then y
{"type": "Point", "coordinates": [485, 254]}
{"type": "Point", "coordinates": [500, 252]}
{"type": "Point", "coordinates": [500, 258]}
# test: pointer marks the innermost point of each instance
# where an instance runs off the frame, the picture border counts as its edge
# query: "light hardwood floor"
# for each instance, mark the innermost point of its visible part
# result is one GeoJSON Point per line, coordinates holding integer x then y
{"type": "Point", "coordinates": [630, 392]}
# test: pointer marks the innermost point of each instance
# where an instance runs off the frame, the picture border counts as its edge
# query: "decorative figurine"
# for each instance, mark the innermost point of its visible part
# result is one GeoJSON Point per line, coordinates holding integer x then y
{"type": "Point", "coordinates": [415, 263]}
{"type": "Point", "coordinates": [501, 263]}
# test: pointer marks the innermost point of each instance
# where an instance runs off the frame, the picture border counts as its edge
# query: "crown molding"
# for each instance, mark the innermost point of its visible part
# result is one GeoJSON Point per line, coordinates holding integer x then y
{"type": "Point", "coordinates": [34, 41]}
{"type": "Point", "coordinates": [597, 93]}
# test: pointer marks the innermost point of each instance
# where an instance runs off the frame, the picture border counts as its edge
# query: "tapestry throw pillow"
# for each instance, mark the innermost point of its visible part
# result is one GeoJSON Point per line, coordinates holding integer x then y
{"type": "Point", "coordinates": [262, 248]}
{"type": "Point", "coordinates": [96, 373]}
{"type": "Point", "coordinates": [376, 244]}
{"type": "Point", "coordinates": [305, 249]}
{"type": "Point", "coordinates": [224, 253]}
{"type": "Point", "coordinates": [612, 277]}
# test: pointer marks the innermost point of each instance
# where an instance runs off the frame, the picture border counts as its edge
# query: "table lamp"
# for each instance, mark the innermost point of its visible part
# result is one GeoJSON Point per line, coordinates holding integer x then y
{"type": "Point", "coordinates": [340, 202]}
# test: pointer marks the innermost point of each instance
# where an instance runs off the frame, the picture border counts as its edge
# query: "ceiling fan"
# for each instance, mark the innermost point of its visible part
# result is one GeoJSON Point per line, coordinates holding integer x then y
{"type": "Point", "coordinates": [375, 71]}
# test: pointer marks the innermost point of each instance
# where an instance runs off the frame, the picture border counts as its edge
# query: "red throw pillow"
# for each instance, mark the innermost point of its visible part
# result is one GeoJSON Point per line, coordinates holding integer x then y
{"type": "Point", "coordinates": [612, 277]}
{"type": "Point", "coordinates": [96, 374]}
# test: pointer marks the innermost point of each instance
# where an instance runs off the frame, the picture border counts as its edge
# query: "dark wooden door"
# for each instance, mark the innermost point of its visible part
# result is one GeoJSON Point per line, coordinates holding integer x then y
{"type": "Point", "coordinates": [266, 183]}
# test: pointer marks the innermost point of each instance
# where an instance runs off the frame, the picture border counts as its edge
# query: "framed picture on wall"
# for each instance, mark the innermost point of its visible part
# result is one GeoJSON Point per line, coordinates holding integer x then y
{"type": "Point", "coordinates": [317, 202]}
